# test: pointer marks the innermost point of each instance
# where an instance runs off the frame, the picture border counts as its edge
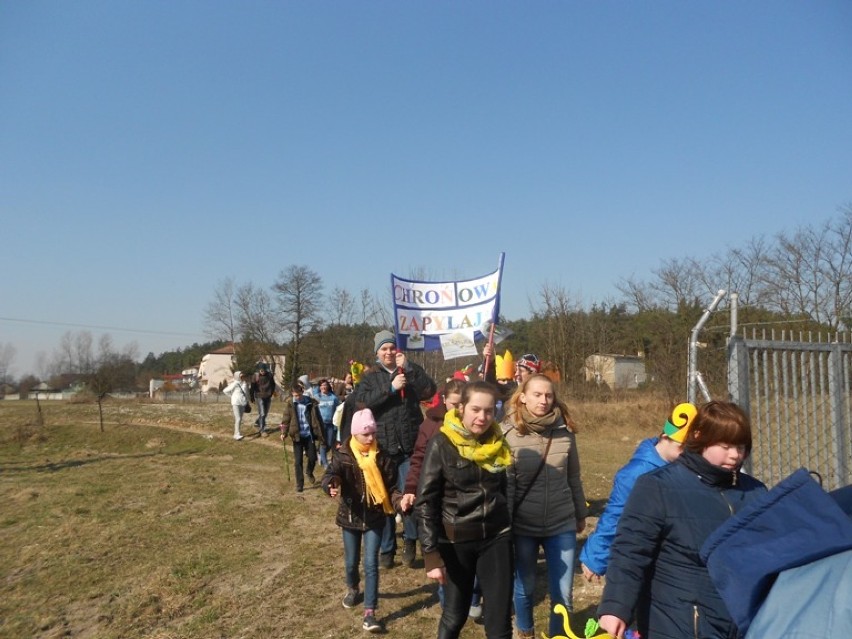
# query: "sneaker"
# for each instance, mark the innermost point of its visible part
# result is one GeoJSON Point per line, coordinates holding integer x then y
{"type": "Point", "coordinates": [370, 623]}
{"type": "Point", "coordinates": [386, 559]}
{"type": "Point", "coordinates": [238, 437]}
{"type": "Point", "coordinates": [409, 551]}
{"type": "Point", "coordinates": [351, 598]}
{"type": "Point", "coordinates": [312, 479]}
{"type": "Point", "coordinates": [299, 489]}
{"type": "Point", "coordinates": [475, 612]}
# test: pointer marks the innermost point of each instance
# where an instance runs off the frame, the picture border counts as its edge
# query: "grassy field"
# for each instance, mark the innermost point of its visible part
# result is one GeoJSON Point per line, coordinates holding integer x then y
{"type": "Point", "coordinates": [162, 526]}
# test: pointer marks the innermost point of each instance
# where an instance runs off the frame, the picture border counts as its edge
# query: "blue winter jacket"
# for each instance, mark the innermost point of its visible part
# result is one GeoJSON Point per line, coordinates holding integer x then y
{"type": "Point", "coordinates": [595, 552]}
{"type": "Point", "coordinates": [795, 524]}
{"type": "Point", "coordinates": [655, 571]}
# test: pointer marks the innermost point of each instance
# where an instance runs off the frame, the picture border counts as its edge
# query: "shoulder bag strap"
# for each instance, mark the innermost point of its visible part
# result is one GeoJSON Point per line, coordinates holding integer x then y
{"type": "Point", "coordinates": [534, 477]}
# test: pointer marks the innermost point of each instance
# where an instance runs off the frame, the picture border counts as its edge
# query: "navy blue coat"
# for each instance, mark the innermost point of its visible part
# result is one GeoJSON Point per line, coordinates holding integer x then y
{"type": "Point", "coordinates": [655, 572]}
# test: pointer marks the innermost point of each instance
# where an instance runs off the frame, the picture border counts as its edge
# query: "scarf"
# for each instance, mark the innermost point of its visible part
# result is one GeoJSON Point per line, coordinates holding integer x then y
{"type": "Point", "coordinates": [491, 454]}
{"type": "Point", "coordinates": [365, 455]}
{"type": "Point", "coordinates": [540, 424]}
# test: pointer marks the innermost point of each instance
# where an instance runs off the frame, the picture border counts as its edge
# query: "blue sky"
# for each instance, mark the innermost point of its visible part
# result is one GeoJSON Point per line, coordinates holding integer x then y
{"type": "Point", "coordinates": [150, 149]}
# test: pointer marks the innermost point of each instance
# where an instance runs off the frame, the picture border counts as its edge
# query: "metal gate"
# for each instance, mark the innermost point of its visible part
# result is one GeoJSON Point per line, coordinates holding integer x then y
{"type": "Point", "coordinates": [797, 393]}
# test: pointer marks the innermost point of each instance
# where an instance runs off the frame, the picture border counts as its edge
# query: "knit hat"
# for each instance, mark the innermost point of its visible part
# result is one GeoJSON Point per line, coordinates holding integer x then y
{"type": "Point", "coordinates": [677, 426]}
{"type": "Point", "coordinates": [363, 422]}
{"type": "Point", "coordinates": [383, 337]}
{"type": "Point", "coordinates": [530, 362]}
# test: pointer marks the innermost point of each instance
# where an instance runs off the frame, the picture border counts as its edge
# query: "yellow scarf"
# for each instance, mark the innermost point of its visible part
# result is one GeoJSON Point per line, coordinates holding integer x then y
{"type": "Point", "coordinates": [365, 455]}
{"type": "Point", "coordinates": [492, 454]}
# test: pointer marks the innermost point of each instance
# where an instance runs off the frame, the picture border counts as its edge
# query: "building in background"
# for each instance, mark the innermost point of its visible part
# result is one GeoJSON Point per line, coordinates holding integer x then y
{"type": "Point", "coordinates": [217, 369]}
{"type": "Point", "coordinates": [618, 372]}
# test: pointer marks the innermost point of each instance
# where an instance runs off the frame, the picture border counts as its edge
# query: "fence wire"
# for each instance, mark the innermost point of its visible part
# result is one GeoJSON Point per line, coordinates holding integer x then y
{"type": "Point", "coordinates": [797, 393]}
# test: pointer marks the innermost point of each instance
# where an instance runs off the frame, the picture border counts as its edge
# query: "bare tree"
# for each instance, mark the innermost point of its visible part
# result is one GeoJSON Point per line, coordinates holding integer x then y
{"type": "Point", "coordinates": [299, 297]}
{"type": "Point", "coordinates": [83, 352]}
{"type": "Point", "coordinates": [63, 358]}
{"type": "Point", "coordinates": [837, 268]}
{"type": "Point", "coordinates": [341, 307]}
{"type": "Point", "coordinates": [73, 355]}
{"type": "Point", "coordinates": [373, 311]}
{"type": "Point", "coordinates": [560, 314]}
{"type": "Point", "coordinates": [738, 270]}
{"type": "Point", "coordinates": [793, 281]}
{"type": "Point", "coordinates": [677, 283]}
{"type": "Point", "coordinates": [258, 326]}
{"type": "Point", "coordinates": [638, 295]}
{"type": "Point", "coordinates": [221, 316]}
{"type": "Point", "coordinates": [7, 357]}
{"type": "Point", "coordinates": [110, 372]}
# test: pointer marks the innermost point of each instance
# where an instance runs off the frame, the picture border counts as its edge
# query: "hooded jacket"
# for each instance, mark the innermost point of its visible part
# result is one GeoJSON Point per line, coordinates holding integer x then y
{"type": "Point", "coordinates": [237, 390]}
{"type": "Point", "coordinates": [595, 552]}
{"type": "Point", "coordinates": [655, 567]}
{"type": "Point", "coordinates": [353, 511]}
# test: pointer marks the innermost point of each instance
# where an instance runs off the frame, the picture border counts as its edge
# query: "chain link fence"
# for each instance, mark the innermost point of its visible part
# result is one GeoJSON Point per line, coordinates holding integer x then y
{"type": "Point", "coordinates": [796, 390]}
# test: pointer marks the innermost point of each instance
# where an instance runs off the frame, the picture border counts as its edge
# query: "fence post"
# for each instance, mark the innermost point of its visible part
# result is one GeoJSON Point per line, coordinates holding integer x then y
{"type": "Point", "coordinates": [836, 392]}
{"type": "Point", "coordinates": [693, 379]}
{"type": "Point", "coordinates": [738, 373]}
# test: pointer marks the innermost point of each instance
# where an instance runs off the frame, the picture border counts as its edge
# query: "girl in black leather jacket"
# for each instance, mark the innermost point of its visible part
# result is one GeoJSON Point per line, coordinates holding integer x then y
{"type": "Point", "coordinates": [463, 513]}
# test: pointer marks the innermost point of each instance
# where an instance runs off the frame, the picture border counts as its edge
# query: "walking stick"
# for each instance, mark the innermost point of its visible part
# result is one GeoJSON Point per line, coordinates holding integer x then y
{"type": "Point", "coordinates": [286, 457]}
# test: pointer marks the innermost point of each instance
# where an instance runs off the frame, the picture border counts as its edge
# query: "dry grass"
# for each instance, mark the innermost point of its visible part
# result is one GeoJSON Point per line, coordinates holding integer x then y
{"type": "Point", "coordinates": [164, 527]}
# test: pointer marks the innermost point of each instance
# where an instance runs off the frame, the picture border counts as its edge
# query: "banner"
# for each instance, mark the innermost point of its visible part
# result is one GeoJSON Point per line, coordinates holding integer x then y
{"type": "Point", "coordinates": [424, 311]}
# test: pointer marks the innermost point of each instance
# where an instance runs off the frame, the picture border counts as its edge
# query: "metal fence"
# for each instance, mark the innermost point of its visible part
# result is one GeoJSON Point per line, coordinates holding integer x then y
{"type": "Point", "coordinates": [796, 390]}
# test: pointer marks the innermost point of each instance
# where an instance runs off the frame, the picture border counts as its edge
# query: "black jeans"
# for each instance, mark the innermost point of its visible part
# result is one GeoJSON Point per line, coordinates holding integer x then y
{"type": "Point", "coordinates": [300, 449]}
{"type": "Point", "coordinates": [491, 561]}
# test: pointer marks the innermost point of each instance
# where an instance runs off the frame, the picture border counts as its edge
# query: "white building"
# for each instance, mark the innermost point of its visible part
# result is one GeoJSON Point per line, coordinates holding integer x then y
{"type": "Point", "coordinates": [619, 372]}
{"type": "Point", "coordinates": [216, 369]}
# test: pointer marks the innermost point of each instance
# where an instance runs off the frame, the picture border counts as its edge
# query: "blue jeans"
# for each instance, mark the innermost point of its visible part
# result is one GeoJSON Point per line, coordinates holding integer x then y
{"type": "Point", "coordinates": [409, 522]}
{"type": "Point", "coordinates": [331, 438]}
{"type": "Point", "coordinates": [352, 558]}
{"type": "Point", "coordinates": [262, 412]}
{"type": "Point", "coordinates": [559, 559]}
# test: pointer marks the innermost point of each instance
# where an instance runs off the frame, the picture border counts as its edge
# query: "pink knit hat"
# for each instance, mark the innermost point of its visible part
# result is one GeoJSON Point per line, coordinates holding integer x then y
{"type": "Point", "coordinates": [363, 422]}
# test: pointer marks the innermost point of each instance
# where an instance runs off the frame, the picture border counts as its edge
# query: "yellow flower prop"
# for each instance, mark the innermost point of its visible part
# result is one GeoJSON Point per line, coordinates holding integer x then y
{"type": "Point", "coordinates": [505, 366]}
{"type": "Point", "coordinates": [591, 627]}
{"type": "Point", "coordinates": [356, 369]}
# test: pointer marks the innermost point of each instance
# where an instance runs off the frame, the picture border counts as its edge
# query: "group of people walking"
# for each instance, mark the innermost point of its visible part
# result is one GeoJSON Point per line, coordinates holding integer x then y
{"type": "Point", "coordinates": [481, 496]}
{"type": "Point", "coordinates": [485, 497]}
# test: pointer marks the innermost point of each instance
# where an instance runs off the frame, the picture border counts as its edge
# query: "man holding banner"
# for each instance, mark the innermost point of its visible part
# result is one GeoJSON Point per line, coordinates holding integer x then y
{"type": "Point", "coordinates": [392, 391]}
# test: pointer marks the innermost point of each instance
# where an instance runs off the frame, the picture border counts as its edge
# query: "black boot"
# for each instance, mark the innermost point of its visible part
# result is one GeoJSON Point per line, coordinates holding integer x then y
{"type": "Point", "coordinates": [409, 550]}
